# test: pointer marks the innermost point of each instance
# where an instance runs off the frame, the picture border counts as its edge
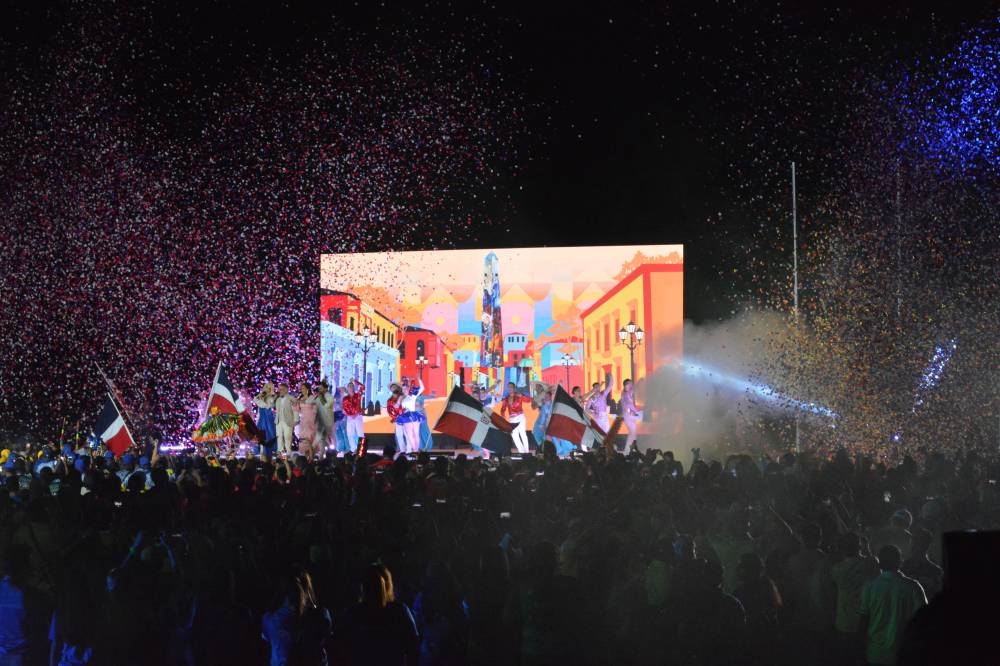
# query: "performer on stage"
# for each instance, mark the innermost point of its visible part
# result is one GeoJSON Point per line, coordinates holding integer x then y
{"type": "Point", "coordinates": [265, 419]}
{"type": "Point", "coordinates": [324, 418]}
{"type": "Point", "coordinates": [630, 413]}
{"type": "Point", "coordinates": [411, 416]}
{"type": "Point", "coordinates": [512, 409]}
{"type": "Point", "coordinates": [597, 404]}
{"type": "Point", "coordinates": [340, 421]}
{"type": "Point", "coordinates": [306, 406]}
{"type": "Point", "coordinates": [394, 407]}
{"type": "Point", "coordinates": [353, 406]}
{"type": "Point", "coordinates": [542, 401]}
{"type": "Point", "coordinates": [426, 438]}
{"type": "Point", "coordinates": [285, 418]}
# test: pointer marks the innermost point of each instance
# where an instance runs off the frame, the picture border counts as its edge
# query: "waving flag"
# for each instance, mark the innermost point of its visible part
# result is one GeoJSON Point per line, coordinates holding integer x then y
{"type": "Point", "coordinates": [223, 395]}
{"type": "Point", "coordinates": [112, 430]}
{"type": "Point", "coordinates": [570, 422]}
{"type": "Point", "coordinates": [466, 419]}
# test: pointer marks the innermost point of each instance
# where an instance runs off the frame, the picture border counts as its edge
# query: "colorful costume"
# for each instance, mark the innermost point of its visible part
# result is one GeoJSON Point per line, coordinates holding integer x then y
{"type": "Point", "coordinates": [353, 406]}
{"type": "Point", "coordinates": [306, 407]}
{"type": "Point", "coordinates": [597, 407]}
{"type": "Point", "coordinates": [411, 418]}
{"type": "Point", "coordinates": [630, 415]}
{"type": "Point", "coordinates": [265, 423]}
{"type": "Point", "coordinates": [340, 424]}
{"type": "Point", "coordinates": [394, 407]}
{"type": "Point", "coordinates": [514, 406]}
{"type": "Point", "coordinates": [426, 438]}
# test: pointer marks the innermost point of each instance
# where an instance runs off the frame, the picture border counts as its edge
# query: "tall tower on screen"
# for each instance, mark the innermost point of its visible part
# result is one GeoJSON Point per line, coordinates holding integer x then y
{"type": "Point", "coordinates": [491, 349]}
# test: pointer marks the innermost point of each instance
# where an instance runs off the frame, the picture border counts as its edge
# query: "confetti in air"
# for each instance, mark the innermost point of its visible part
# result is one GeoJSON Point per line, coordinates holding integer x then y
{"type": "Point", "coordinates": [155, 237]}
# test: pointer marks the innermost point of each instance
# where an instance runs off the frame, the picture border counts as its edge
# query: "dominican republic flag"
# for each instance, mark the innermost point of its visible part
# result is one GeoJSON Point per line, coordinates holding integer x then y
{"type": "Point", "coordinates": [570, 422]}
{"type": "Point", "coordinates": [466, 419]}
{"type": "Point", "coordinates": [112, 430]}
{"type": "Point", "coordinates": [223, 395]}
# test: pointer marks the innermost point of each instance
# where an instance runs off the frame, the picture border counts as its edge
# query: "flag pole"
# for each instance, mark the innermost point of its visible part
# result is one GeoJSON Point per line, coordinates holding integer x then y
{"type": "Point", "coordinates": [211, 391]}
{"type": "Point", "coordinates": [795, 287]}
{"type": "Point", "coordinates": [124, 420]}
{"type": "Point", "coordinates": [119, 404]}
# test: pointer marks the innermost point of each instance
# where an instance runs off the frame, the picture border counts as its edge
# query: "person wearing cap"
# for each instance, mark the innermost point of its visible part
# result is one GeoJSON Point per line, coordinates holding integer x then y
{"type": "Point", "coordinates": [126, 465]}
{"type": "Point", "coordinates": [394, 407]}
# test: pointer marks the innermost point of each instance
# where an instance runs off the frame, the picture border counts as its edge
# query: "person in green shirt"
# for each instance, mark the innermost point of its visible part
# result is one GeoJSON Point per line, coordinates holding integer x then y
{"type": "Point", "coordinates": [887, 604]}
{"type": "Point", "coordinates": [849, 576]}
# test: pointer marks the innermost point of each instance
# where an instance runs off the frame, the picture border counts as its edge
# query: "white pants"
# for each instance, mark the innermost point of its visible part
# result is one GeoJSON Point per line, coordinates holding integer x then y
{"type": "Point", "coordinates": [400, 438]}
{"type": "Point", "coordinates": [285, 432]}
{"type": "Point", "coordinates": [355, 430]}
{"type": "Point", "coordinates": [520, 435]}
{"type": "Point", "coordinates": [630, 423]}
{"type": "Point", "coordinates": [412, 432]}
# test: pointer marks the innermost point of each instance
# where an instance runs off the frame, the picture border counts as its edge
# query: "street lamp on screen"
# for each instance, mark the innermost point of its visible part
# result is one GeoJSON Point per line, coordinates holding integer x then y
{"type": "Point", "coordinates": [631, 336]}
{"type": "Point", "coordinates": [567, 362]}
{"type": "Point", "coordinates": [365, 340]}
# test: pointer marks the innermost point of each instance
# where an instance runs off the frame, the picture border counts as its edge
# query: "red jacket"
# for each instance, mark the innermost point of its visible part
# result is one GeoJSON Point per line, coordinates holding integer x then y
{"type": "Point", "coordinates": [352, 404]}
{"type": "Point", "coordinates": [395, 408]}
{"type": "Point", "coordinates": [516, 408]}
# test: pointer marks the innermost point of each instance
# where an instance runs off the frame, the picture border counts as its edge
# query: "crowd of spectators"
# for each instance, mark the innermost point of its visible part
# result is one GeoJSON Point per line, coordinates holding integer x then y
{"type": "Point", "coordinates": [595, 559]}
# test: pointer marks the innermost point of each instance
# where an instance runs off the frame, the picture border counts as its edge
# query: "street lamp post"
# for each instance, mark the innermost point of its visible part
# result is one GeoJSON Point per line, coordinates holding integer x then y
{"type": "Point", "coordinates": [366, 340]}
{"type": "Point", "coordinates": [631, 337]}
{"type": "Point", "coordinates": [421, 362]}
{"type": "Point", "coordinates": [568, 361]}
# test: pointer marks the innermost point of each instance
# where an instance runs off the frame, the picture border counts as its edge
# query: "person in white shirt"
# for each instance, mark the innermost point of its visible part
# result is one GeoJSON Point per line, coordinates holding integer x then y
{"type": "Point", "coordinates": [285, 417]}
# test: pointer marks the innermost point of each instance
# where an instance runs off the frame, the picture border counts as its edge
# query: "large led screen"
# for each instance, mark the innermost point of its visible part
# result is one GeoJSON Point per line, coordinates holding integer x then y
{"type": "Point", "coordinates": [479, 318]}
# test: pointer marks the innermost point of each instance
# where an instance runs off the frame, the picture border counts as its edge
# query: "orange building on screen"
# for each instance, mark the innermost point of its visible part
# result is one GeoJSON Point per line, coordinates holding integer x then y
{"type": "Point", "coordinates": [652, 296]}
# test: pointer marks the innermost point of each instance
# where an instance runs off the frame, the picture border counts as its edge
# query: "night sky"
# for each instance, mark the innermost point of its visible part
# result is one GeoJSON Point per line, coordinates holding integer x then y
{"type": "Point", "coordinates": [643, 122]}
{"type": "Point", "coordinates": [213, 145]}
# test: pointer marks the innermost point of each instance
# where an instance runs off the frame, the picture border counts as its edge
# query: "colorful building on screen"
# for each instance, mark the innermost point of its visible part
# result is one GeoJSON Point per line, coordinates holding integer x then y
{"type": "Point", "coordinates": [436, 364]}
{"type": "Point", "coordinates": [342, 316]}
{"type": "Point", "coordinates": [554, 370]}
{"type": "Point", "coordinates": [651, 296]}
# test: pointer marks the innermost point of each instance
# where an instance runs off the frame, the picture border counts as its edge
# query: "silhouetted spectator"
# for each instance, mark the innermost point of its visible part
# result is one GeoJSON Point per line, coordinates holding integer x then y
{"type": "Point", "coordinates": [810, 596]}
{"type": "Point", "coordinates": [849, 576]}
{"type": "Point", "coordinates": [378, 631]}
{"type": "Point", "coordinates": [896, 533]}
{"type": "Point", "coordinates": [919, 566]}
{"type": "Point", "coordinates": [24, 612]}
{"type": "Point", "coordinates": [547, 612]}
{"type": "Point", "coordinates": [887, 604]}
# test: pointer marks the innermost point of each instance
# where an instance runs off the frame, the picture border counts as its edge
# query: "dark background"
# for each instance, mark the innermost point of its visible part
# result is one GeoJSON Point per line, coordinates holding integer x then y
{"type": "Point", "coordinates": [645, 122]}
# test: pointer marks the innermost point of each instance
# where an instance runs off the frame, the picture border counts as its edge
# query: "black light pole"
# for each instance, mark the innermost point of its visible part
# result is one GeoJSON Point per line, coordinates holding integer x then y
{"type": "Point", "coordinates": [366, 340]}
{"type": "Point", "coordinates": [631, 337]}
{"type": "Point", "coordinates": [421, 362]}
{"type": "Point", "coordinates": [568, 361]}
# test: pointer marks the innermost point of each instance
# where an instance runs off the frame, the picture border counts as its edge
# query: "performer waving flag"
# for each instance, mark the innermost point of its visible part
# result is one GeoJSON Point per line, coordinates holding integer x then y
{"type": "Point", "coordinates": [223, 395]}
{"type": "Point", "coordinates": [111, 428]}
{"type": "Point", "coordinates": [464, 418]}
{"type": "Point", "coordinates": [570, 422]}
